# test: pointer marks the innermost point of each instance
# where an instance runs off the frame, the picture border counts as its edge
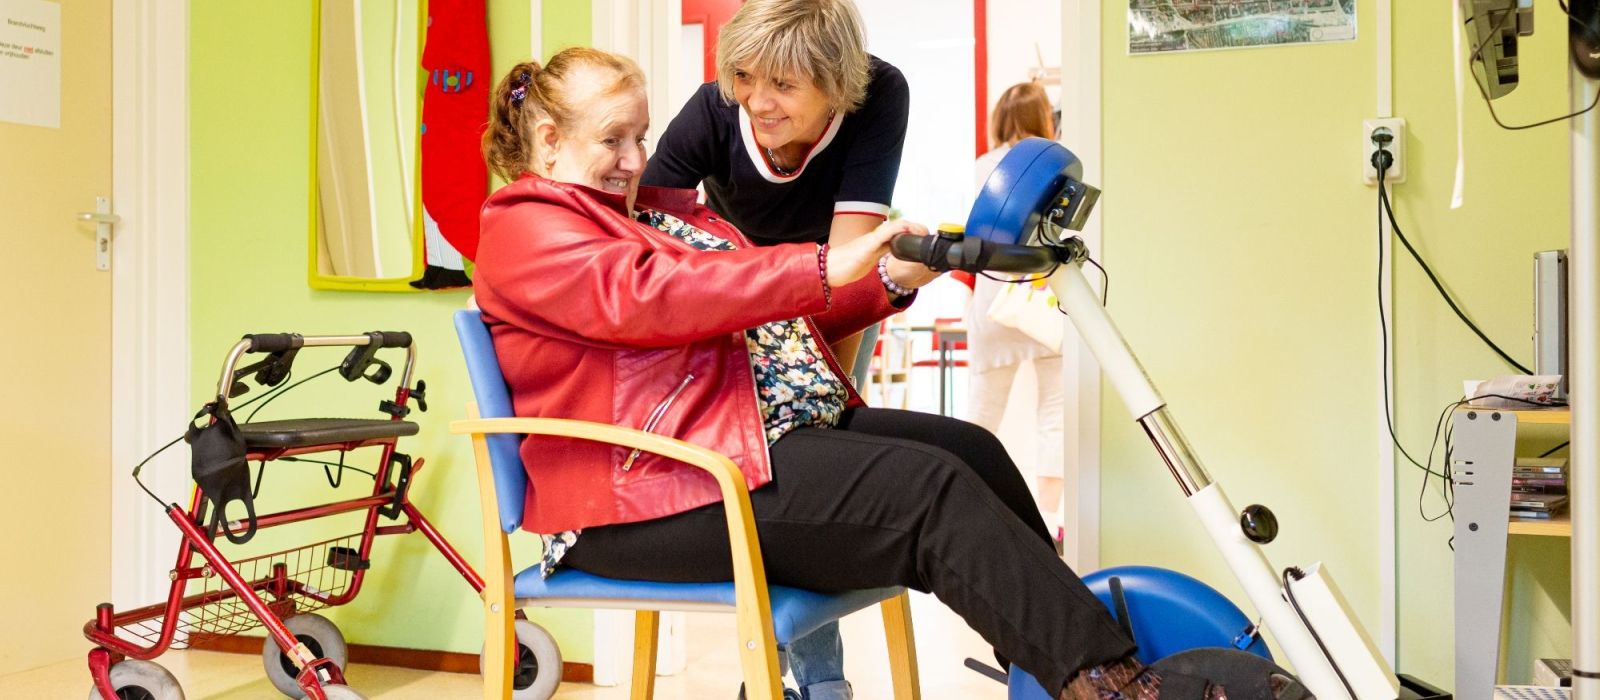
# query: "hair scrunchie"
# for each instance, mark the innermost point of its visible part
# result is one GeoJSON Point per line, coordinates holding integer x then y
{"type": "Point", "coordinates": [520, 92]}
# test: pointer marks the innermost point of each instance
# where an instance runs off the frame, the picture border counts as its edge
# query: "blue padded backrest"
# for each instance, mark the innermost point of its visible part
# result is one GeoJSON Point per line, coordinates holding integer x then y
{"type": "Point", "coordinates": [494, 401]}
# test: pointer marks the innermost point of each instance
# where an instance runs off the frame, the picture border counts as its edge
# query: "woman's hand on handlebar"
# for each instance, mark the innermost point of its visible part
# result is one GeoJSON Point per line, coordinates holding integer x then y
{"type": "Point", "coordinates": [848, 262]}
{"type": "Point", "coordinates": [911, 274]}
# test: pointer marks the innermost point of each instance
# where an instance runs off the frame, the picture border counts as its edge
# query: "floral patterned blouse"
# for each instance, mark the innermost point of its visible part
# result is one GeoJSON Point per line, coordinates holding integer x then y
{"type": "Point", "coordinates": [795, 387]}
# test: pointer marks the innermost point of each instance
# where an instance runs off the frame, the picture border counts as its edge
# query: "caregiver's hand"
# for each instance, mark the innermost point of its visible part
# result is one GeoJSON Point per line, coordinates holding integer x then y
{"type": "Point", "coordinates": [851, 261]}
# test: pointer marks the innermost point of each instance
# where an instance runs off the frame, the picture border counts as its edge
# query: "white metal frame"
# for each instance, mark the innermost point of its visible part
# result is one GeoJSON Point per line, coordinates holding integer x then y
{"type": "Point", "coordinates": [1080, 77]}
{"type": "Point", "coordinates": [1583, 288]}
{"type": "Point", "coordinates": [1388, 591]}
{"type": "Point", "coordinates": [150, 286]}
{"type": "Point", "coordinates": [1296, 631]}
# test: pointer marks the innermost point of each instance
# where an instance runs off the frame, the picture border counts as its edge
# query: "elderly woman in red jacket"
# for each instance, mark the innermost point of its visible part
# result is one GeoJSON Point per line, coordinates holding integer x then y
{"type": "Point", "coordinates": [635, 306]}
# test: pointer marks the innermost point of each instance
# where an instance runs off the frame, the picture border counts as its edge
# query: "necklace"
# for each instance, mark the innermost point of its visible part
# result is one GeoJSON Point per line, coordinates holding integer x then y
{"type": "Point", "coordinates": [773, 161]}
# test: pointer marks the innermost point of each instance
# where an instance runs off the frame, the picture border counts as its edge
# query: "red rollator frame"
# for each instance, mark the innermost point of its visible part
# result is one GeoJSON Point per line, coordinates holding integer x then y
{"type": "Point", "coordinates": [232, 596]}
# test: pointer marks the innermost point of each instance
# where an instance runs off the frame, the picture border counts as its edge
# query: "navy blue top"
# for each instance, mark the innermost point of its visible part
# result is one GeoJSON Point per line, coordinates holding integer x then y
{"type": "Point", "coordinates": [851, 170]}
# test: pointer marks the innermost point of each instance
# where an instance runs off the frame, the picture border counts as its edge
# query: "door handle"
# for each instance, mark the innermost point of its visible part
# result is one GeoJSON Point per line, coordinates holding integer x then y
{"type": "Point", "coordinates": [103, 220]}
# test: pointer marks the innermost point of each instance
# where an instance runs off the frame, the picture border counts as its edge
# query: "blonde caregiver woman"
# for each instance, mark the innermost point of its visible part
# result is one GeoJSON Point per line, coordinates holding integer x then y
{"type": "Point", "coordinates": [798, 139]}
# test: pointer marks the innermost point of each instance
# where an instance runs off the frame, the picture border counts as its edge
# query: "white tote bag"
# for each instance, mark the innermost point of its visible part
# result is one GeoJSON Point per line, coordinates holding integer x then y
{"type": "Point", "coordinates": [1030, 307]}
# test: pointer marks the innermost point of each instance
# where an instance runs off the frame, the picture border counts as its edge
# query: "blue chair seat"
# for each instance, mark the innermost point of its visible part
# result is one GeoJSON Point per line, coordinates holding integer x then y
{"type": "Point", "coordinates": [795, 612]}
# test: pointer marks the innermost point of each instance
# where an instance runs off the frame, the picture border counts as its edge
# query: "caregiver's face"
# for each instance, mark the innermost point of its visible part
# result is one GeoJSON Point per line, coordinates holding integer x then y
{"type": "Point", "coordinates": [783, 108]}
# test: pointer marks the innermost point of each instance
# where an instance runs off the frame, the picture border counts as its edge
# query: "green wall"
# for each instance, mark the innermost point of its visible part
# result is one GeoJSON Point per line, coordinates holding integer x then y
{"type": "Point", "coordinates": [1238, 236]}
{"type": "Point", "coordinates": [250, 146]}
{"type": "Point", "coordinates": [1242, 248]}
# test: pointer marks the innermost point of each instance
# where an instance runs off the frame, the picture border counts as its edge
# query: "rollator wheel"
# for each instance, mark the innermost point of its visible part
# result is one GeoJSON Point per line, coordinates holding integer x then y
{"type": "Point", "coordinates": [141, 680]}
{"type": "Point", "coordinates": [342, 692]}
{"type": "Point", "coordinates": [538, 670]}
{"type": "Point", "coordinates": [319, 635]}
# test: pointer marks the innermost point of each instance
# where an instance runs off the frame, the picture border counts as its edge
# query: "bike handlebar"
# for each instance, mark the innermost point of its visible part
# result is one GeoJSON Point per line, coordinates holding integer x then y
{"type": "Point", "coordinates": [944, 253]}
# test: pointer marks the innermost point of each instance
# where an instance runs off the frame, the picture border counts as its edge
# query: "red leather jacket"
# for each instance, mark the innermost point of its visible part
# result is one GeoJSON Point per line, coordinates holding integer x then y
{"type": "Point", "coordinates": [598, 317]}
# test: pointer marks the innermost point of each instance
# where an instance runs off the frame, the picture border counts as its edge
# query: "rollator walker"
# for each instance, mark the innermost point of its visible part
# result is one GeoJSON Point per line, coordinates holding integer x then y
{"type": "Point", "coordinates": [213, 595]}
{"type": "Point", "coordinates": [1016, 225]}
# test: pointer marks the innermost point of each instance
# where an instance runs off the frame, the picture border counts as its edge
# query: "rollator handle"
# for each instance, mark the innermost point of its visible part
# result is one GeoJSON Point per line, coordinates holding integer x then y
{"type": "Point", "coordinates": [395, 339]}
{"type": "Point", "coordinates": [274, 342]}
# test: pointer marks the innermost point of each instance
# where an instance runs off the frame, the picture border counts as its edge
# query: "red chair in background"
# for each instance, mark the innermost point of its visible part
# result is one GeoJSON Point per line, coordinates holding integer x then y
{"type": "Point", "coordinates": [949, 338]}
{"type": "Point", "coordinates": [892, 364]}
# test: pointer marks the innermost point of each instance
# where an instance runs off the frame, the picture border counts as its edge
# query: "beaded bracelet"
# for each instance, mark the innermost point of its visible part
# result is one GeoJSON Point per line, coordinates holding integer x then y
{"type": "Point", "coordinates": [888, 283]}
{"type": "Point", "coordinates": [822, 271]}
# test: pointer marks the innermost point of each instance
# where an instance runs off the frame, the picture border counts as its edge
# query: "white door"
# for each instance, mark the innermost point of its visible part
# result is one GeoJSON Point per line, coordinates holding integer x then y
{"type": "Point", "coordinates": [55, 343]}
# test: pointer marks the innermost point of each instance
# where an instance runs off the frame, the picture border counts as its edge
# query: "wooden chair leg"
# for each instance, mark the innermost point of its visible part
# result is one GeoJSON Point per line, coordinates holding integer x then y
{"type": "Point", "coordinates": [758, 650]}
{"type": "Point", "coordinates": [499, 650]}
{"type": "Point", "coordinates": [646, 632]}
{"type": "Point", "coordinates": [902, 647]}
{"type": "Point", "coordinates": [499, 599]}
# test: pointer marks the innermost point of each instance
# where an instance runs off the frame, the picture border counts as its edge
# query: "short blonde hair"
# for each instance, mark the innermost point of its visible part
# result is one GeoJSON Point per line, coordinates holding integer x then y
{"type": "Point", "coordinates": [819, 39]}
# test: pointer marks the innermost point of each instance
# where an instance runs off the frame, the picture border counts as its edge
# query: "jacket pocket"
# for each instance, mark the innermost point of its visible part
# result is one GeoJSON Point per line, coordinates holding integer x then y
{"type": "Point", "coordinates": [654, 419]}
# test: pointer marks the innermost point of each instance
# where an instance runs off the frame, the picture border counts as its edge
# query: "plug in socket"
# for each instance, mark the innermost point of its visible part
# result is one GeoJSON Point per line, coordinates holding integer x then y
{"type": "Point", "coordinates": [1396, 148]}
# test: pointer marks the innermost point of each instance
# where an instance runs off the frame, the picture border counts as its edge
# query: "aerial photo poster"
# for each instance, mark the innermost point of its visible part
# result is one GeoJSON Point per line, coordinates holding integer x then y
{"type": "Point", "coordinates": [1157, 26]}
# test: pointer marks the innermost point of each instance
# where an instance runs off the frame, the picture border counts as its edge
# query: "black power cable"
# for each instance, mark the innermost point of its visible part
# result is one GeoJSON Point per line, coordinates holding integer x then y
{"type": "Point", "coordinates": [1383, 330]}
{"type": "Point", "coordinates": [1382, 161]}
{"type": "Point", "coordinates": [1384, 207]}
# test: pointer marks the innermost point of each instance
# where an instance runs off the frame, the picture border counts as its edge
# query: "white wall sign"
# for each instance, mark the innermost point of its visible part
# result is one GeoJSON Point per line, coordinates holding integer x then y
{"type": "Point", "coordinates": [30, 62]}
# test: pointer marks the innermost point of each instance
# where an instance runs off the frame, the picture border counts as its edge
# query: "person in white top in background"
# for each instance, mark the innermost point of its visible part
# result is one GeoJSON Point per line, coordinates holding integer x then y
{"type": "Point", "coordinates": [995, 351]}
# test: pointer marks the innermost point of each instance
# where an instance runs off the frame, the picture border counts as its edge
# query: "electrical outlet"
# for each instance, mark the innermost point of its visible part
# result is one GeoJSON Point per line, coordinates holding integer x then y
{"type": "Point", "coordinates": [1396, 148]}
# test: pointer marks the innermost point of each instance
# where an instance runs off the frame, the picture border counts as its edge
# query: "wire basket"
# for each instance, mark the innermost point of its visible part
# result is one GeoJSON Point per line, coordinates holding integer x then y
{"type": "Point", "coordinates": [289, 582]}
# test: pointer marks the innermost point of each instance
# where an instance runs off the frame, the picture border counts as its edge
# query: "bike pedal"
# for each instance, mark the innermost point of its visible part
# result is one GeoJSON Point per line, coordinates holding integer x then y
{"type": "Point", "coordinates": [347, 559]}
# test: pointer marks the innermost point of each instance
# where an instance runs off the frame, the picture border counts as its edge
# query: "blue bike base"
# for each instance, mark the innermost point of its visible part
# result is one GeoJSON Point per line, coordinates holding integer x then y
{"type": "Point", "coordinates": [1169, 612]}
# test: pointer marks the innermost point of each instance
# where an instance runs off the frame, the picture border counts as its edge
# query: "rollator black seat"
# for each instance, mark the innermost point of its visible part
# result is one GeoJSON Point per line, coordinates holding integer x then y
{"type": "Point", "coordinates": [304, 432]}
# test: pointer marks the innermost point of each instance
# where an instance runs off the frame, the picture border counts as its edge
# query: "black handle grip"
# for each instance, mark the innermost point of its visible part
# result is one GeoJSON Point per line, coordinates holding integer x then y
{"type": "Point", "coordinates": [273, 342]}
{"type": "Point", "coordinates": [971, 254]}
{"type": "Point", "coordinates": [395, 339]}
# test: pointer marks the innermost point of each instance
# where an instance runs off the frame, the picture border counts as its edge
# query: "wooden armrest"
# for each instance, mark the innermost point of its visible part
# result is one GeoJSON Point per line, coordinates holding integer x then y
{"type": "Point", "coordinates": [749, 574]}
{"type": "Point", "coordinates": [711, 461]}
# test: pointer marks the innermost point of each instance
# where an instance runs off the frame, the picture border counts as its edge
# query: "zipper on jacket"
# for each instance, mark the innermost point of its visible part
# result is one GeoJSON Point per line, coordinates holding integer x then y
{"type": "Point", "coordinates": [656, 416]}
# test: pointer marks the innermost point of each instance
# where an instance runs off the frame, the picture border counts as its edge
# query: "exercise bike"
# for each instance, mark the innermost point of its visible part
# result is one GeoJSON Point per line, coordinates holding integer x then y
{"type": "Point", "coordinates": [1016, 225]}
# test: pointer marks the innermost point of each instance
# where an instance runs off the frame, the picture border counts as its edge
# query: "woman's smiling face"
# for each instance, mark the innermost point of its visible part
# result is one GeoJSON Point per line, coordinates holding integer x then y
{"type": "Point", "coordinates": [783, 109]}
{"type": "Point", "coordinates": [605, 150]}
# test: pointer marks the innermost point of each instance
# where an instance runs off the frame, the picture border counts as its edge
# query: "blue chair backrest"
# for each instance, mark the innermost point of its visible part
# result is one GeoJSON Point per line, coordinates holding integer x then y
{"type": "Point", "coordinates": [494, 401]}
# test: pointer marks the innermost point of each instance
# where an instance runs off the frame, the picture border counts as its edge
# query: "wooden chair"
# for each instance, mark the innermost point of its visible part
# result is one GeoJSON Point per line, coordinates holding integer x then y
{"type": "Point", "coordinates": [767, 616]}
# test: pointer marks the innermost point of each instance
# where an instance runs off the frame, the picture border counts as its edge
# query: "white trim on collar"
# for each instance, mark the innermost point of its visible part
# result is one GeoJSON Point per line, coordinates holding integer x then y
{"type": "Point", "coordinates": [754, 149]}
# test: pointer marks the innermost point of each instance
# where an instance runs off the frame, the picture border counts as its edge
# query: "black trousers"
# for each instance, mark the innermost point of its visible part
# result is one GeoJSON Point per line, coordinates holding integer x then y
{"type": "Point", "coordinates": [892, 498]}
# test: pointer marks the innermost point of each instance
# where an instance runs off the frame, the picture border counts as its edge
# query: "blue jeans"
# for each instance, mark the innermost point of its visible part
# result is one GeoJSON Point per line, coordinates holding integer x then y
{"type": "Point", "coordinates": [858, 373]}
{"type": "Point", "coordinates": [817, 661]}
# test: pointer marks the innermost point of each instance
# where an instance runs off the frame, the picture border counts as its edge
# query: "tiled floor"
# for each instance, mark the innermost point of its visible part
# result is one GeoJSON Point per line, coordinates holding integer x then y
{"type": "Point", "coordinates": [943, 641]}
